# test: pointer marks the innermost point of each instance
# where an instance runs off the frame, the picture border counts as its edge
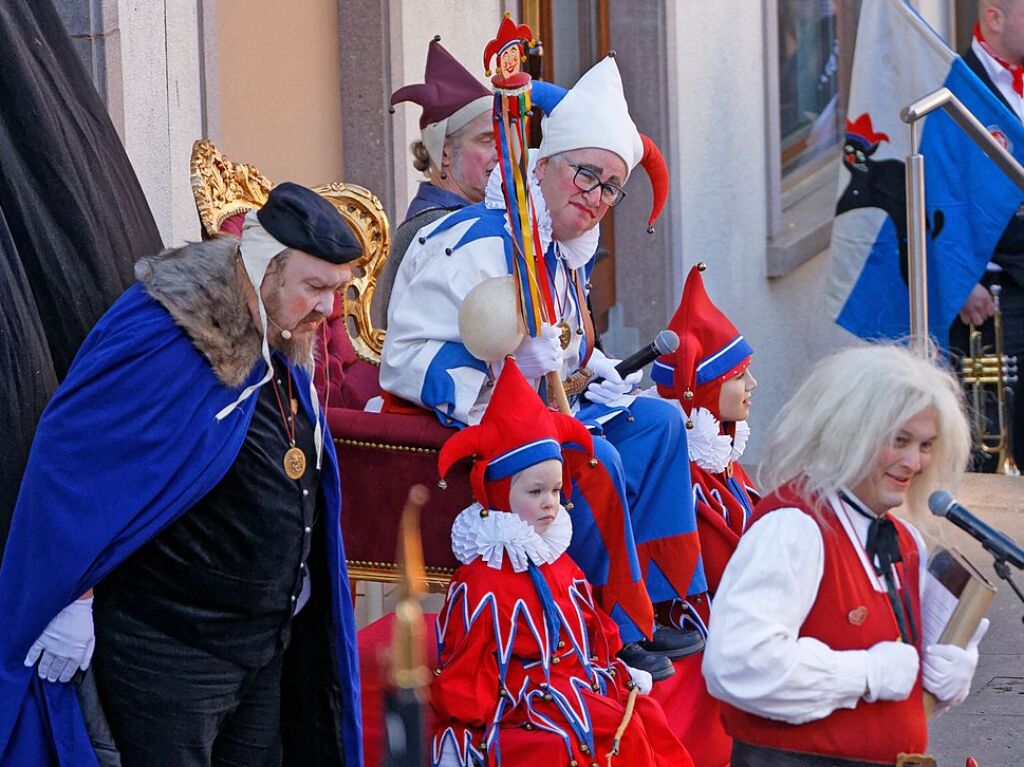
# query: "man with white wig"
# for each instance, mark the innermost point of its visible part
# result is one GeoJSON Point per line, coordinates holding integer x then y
{"type": "Point", "coordinates": [180, 516]}
{"type": "Point", "coordinates": [816, 643]}
{"type": "Point", "coordinates": [634, 530]}
{"type": "Point", "coordinates": [455, 151]}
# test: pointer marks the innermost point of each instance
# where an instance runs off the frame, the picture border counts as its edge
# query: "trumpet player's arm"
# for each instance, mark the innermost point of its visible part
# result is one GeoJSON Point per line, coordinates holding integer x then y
{"type": "Point", "coordinates": [978, 307]}
{"type": "Point", "coordinates": [423, 359]}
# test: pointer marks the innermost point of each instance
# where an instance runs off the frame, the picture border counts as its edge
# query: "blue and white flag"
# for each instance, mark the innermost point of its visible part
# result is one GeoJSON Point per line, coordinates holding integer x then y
{"type": "Point", "coordinates": [970, 201]}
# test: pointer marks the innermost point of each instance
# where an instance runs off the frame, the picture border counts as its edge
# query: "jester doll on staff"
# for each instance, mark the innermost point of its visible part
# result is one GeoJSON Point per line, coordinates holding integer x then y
{"type": "Point", "coordinates": [633, 520]}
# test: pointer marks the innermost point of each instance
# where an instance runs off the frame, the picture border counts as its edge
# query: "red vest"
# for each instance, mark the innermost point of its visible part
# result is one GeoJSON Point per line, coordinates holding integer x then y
{"type": "Point", "coordinates": [848, 614]}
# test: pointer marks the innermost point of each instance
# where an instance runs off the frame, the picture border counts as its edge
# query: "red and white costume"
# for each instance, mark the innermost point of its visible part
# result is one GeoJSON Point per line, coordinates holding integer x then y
{"type": "Point", "coordinates": [527, 672]}
{"type": "Point", "coordinates": [711, 351]}
{"type": "Point", "coordinates": [797, 675]}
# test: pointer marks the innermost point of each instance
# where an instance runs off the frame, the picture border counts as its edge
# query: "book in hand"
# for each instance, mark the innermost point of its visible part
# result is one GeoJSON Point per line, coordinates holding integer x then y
{"type": "Point", "coordinates": [956, 597]}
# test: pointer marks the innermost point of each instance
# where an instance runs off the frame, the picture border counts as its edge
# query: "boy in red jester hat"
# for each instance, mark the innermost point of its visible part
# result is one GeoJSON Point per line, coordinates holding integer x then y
{"type": "Point", "coordinates": [527, 669]}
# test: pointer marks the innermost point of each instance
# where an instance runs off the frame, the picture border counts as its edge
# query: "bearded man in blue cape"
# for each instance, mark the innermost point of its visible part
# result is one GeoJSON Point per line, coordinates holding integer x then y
{"type": "Point", "coordinates": [180, 516]}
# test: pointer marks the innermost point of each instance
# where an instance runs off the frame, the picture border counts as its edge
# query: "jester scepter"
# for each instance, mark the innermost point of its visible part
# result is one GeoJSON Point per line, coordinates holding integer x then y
{"type": "Point", "coordinates": [512, 111]}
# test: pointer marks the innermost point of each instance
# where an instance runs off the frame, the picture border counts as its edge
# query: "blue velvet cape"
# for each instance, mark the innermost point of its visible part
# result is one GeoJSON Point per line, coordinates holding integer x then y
{"type": "Point", "coordinates": [128, 443]}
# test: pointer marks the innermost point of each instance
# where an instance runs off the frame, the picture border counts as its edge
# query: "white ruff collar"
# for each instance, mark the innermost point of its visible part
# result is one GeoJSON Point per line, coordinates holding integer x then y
{"type": "Point", "coordinates": [501, 533]}
{"type": "Point", "coordinates": [708, 447]}
{"type": "Point", "coordinates": [575, 252]}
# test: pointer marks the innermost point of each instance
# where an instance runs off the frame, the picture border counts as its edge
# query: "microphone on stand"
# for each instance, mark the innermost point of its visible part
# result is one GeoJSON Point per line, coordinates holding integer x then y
{"type": "Point", "coordinates": [664, 343]}
{"type": "Point", "coordinates": [998, 544]}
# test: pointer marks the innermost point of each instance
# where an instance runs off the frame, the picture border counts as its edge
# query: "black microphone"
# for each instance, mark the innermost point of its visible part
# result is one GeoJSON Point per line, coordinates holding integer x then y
{"type": "Point", "coordinates": [998, 544]}
{"type": "Point", "coordinates": [665, 342]}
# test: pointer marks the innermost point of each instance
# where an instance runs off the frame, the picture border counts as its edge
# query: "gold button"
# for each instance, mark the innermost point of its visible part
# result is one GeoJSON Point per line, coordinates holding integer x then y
{"type": "Point", "coordinates": [556, 659]}
{"type": "Point", "coordinates": [561, 643]}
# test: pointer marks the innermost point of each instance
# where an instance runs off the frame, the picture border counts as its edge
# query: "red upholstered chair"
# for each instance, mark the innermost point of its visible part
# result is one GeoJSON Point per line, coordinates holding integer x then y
{"type": "Point", "coordinates": [381, 455]}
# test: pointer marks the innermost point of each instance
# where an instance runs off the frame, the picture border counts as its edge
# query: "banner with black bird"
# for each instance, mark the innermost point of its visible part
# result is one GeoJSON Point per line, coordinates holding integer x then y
{"type": "Point", "coordinates": [899, 59]}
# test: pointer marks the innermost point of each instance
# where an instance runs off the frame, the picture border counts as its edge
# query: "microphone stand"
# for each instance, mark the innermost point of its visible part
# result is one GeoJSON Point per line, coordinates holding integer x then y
{"type": "Point", "coordinates": [406, 695]}
{"type": "Point", "coordinates": [1003, 571]}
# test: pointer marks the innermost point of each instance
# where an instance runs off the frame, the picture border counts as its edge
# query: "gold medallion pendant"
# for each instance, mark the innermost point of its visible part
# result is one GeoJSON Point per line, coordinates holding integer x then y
{"type": "Point", "coordinates": [294, 463]}
{"type": "Point", "coordinates": [565, 334]}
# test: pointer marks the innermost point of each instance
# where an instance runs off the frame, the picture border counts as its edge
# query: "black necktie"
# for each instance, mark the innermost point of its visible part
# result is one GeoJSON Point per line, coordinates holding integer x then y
{"type": "Point", "coordinates": [883, 550]}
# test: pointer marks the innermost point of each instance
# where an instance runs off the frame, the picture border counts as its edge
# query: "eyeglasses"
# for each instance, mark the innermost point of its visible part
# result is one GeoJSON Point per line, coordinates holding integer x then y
{"type": "Point", "coordinates": [587, 181]}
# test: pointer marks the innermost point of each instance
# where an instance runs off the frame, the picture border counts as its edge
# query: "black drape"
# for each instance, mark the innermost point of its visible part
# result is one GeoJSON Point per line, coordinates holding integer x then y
{"type": "Point", "coordinates": [73, 219]}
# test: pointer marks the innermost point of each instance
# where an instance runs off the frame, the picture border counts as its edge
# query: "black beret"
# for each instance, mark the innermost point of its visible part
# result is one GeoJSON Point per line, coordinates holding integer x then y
{"type": "Point", "coordinates": [300, 218]}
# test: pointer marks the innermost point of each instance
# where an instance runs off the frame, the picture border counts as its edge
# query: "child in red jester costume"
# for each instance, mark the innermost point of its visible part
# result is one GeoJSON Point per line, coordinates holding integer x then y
{"type": "Point", "coordinates": [527, 670]}
{"type": "Point", "coordinates": [709, 378]}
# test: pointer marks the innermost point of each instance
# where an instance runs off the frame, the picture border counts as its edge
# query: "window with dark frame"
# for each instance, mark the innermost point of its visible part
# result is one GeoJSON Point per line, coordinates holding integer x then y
{"type": "Point", "coordinates": [815, 48]}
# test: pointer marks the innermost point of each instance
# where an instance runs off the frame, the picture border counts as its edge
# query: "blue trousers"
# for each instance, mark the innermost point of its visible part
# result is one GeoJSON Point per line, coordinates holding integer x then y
{"type": "Point", "coordinates": [644, 471]}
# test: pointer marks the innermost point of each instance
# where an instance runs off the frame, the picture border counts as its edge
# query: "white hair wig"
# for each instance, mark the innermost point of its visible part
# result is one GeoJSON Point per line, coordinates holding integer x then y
{"type": "Point", "coordinates": [852, 405]}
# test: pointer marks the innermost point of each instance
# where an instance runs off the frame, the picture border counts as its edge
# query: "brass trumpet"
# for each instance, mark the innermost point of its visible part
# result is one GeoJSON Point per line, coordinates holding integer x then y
{"type": "Point", "coordinates": [981, 371]}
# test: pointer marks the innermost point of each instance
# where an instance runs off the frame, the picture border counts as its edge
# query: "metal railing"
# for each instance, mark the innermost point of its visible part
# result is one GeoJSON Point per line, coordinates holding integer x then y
{"type": "Point", "coordinates": [943, 98]}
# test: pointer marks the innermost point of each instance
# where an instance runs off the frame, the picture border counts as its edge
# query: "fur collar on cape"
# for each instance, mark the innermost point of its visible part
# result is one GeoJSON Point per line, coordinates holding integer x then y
{"type": "Point", "coordinates": [200, 288]}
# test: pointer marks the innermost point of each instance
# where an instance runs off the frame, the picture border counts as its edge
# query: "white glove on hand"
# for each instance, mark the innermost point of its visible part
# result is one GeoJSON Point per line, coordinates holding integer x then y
{"type": "Point", "coordinates": [614, 385]}
{"type": "Point", "coordinates": [892, 671]}
{"type": "Point", "coordinates": [947, 670]}
{"type": "Point", "coordinates": [642, 679]}
{"type": "Point", "coordinates": [66, 645]}
{"type": "Point", "coordinates": [536, 357]}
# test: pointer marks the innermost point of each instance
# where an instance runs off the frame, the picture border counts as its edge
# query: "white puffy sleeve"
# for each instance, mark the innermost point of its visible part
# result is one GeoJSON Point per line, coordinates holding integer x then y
{"type": "Point", "coordinates": [755, 658]}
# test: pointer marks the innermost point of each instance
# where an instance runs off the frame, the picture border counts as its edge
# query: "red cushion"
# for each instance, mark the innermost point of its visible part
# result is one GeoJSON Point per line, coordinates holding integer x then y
{"type": "Point", "coordinates": [381, 455]}
{"type": "Point", "coordinates": [345, 381]}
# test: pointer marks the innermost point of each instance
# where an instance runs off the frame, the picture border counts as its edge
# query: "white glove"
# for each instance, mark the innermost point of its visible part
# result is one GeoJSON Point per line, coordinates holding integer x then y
{"type": "Point", "coordinates": [539, 356]}
{"type": "Point", "coordinates": [642, 679]}
{"type": "Point", "coordinates": [947, 669]}
{"type": "Point", "coordinates": [892, 671]}
{"type": "Point", "coordinates": [614, 385]}
{"type": "Point", "coordinates": [66, 645]}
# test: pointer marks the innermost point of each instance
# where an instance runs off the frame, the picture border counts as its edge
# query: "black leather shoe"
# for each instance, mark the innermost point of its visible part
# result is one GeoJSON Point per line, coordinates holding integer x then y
{"type": "Point", "coordinates": [658, 666]}
{"type": "Point", "coordinates": [672, 643]}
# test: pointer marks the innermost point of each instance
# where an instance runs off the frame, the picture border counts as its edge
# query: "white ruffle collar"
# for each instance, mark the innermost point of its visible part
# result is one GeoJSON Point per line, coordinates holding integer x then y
{"type": "Point", "coordinates": [576, 252]}
{"type": "Point", "coordinates": [708, 447]}
{"type": "Point", "coordinates": [501, 533]}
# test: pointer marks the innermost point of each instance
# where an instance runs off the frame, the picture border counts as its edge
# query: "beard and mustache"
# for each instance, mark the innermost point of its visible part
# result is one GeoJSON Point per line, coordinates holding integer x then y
{"type": "Point", "coordinates": [301, 347]}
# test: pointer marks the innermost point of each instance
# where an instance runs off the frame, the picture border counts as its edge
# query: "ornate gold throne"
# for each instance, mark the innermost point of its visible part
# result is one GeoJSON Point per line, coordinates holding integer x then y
{"type": "Point", "coordinates": [380, 454]}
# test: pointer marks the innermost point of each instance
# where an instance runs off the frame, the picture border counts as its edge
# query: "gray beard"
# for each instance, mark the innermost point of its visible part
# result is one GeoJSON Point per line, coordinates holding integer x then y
{"type": "Point", "coordinates": [298, 351]}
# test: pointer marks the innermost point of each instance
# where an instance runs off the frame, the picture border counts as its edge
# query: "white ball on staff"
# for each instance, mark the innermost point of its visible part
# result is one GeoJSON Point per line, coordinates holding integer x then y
{"type": "Point", "coordinates": [489, 321]}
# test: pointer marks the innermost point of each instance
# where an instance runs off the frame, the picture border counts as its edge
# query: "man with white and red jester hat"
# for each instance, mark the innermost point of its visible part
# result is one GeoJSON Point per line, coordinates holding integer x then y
{"type": "Point", "coordinates": [635, 532]}
{"type": "Point", "coordinates": [527, 669]}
